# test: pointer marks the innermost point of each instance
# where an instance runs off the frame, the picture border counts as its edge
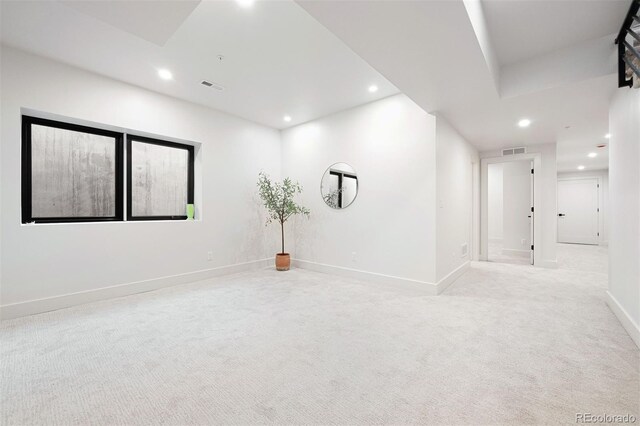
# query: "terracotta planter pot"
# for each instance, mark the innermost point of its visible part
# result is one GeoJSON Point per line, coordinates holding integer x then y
{"type": "Point", "coordinates": [283, 261]}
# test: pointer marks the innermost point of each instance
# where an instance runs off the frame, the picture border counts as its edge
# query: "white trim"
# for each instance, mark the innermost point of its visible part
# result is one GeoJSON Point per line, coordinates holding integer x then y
{"type": "Point", "coordinates": [584, 177]}
{"type": "Point", "coordinates": [627, 322]}
{"type": "Point", "coordinates": [452, 276]}
{"type": "Point", "coordinates": [475, 213]}
{"type": "Point", "coordinates": [387, 281]}
{"type": "Point", "coordinates": [37, 306]}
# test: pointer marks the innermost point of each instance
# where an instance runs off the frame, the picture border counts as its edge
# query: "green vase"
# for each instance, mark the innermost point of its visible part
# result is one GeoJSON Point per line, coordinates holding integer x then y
{"type": "Point", "coordinates": [191, 210]}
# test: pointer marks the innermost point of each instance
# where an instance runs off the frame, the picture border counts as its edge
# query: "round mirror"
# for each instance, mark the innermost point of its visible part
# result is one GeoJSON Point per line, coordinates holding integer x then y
{"type": "Point", "coordinates": [339, 186]}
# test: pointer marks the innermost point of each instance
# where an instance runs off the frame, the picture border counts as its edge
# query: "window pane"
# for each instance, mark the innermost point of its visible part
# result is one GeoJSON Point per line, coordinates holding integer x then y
{"type": "Point", "coordinates": [349, 190]}
{"type": "Point", "coordinates": [159, 180]}
{"type": "Point", "coordinates": [73, 173]}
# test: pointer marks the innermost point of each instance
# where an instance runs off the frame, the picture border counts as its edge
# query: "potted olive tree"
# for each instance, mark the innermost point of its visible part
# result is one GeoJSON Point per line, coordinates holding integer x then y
{"type": "Point", "coordinates": [278, 200]}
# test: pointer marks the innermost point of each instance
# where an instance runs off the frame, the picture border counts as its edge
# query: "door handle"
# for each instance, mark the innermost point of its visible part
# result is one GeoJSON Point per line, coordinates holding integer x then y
{"type": "Point", "coordinates": [561, 214]}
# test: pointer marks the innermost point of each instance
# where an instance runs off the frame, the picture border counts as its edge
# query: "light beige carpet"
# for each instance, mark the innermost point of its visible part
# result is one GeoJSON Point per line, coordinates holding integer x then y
{"type": "Point", "coordinates": [506, 344]}
{"type": "Point", "coordinates": [497, 254]}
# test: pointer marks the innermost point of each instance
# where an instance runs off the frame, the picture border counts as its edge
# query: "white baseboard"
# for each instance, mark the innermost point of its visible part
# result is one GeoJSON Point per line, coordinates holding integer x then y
{"type": "Point", "coordinates": [452, 276]}
{"type": "Point", "coordinates": [627, 322]}
{"type": "Point", "coordinates": [387, 281]}
{"type": "Point", "coordinates": [37, 306]}
{"type": "Point", "coordinates": [546, 263]}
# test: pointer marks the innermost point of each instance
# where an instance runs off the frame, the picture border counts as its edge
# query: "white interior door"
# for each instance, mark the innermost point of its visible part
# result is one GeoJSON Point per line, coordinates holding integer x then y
{"type": "Point", "coordinates": [578, 211]}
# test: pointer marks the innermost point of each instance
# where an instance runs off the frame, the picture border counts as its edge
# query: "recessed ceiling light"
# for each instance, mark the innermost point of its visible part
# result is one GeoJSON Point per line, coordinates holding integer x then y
{"type": "Point", "coordinates": [524, 122]}
{"type": "Point", "coordinates": [373, 88]}
{"type": "Point", "coordinates": [287, 118]}
{"type": "Point", "coordinates": [165, 74]}
{"type": "Point", "coordinates": [592, 155]}
{"type": "Point", "coordinates": [608, 135]}
{"type": "Point", "coordinates": [580, 167]}
{"type": "Point", "coordinates": [245, 3]}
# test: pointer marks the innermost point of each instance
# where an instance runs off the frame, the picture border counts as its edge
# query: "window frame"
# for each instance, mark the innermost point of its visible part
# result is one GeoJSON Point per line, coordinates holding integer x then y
{"type": "Point", "coordinates": [341, 176]}
{"type": "Point", "coordinates": [27, 171]}
{"type": "Point", "coordinates": [190, 174]}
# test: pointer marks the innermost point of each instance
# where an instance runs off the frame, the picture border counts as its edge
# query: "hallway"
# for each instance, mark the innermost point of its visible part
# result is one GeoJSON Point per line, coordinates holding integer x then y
{"type": "Point", "coordinates": [549, 336]}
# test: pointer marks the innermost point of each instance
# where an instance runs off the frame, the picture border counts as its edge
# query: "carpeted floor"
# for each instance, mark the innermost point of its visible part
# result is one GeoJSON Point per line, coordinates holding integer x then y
{"type": "Point", "coordinates": [496, 254]}
{"type": "Point", "coordinates": [506, 344]}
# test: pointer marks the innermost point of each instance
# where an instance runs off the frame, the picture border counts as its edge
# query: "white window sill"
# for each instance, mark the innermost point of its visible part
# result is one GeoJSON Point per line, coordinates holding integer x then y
{"type": "Point", "coordinates": [111, 222]}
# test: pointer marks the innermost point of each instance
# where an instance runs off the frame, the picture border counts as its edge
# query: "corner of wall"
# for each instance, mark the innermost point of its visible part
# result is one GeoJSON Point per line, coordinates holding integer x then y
{"type": "Point", "coordinates": [455, 198]}
{"type": "Point", "coordinates": [624, 208]}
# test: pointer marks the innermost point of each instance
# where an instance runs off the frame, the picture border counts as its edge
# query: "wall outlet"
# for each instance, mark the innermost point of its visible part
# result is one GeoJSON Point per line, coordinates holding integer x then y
{"type": "Point", "coordinates": [209, 256]}
{"type": "Point", "coordinates": [353, 256]}
{"type": "Point", "coordinates": [523, 242]}
{"type": "Point", "coordinates": [464, 249]}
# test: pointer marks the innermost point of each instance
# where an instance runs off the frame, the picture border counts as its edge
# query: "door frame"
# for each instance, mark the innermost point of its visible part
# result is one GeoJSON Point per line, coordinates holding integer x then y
{"type": "Point", "coordinates": [532, 200]}
{"type": "Point", "coordinates": [599, 196]}
{"type": "Point", "coordinates": [484, 202]}
{"type": "Point", "coordinates": [475, 210]}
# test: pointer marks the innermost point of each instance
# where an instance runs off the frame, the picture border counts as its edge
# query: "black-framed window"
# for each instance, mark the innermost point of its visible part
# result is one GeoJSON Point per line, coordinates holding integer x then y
{"type": "Point", "coordinates": [70, 173]}
{"type": "Point", "coordinates": [75, 173]}
{"type": "Point", "coordinates": [160, 179]}
{"type": "Point", "coordinates": [346, 183]}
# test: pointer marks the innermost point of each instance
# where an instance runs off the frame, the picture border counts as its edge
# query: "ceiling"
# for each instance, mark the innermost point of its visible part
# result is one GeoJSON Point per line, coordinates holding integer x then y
{"type": "Point", "coordinates": [521, 29]}
{"type": "Point", "coordinates": [277, 59]}
{"type": "Point", "coordinates": [552, 59]}
{"type": "Point", "coordinates": [574, 153]}
{"type": "Point", "coordinates": [481, 64]}
{"type": "Point", "coordinates": [153, 21]}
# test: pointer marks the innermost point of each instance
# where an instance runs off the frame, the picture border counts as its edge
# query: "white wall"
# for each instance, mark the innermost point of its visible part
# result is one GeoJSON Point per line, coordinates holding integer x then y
{"type": "Point", "coordinates": [624, 203]}
{"type": "Point", "coordinates": [547, 190]}
{"type": "Point", "coordinates": [390, 229]}
{"type": "Point", "coordinates": [389, 232]}
{"type": "Point", "coordinates": [48, 260]}
{"type": "Point", "coordinates": [517, 206]}
{"type": "Point", "coordinates": [454, 165]}
{"type": "Point", "coordinates": [603, 198]}
{"type": "Point", "coordinates": [495, 201]}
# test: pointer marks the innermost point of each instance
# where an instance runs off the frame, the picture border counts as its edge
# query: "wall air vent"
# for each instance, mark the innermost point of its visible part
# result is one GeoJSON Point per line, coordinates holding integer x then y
{"type": "Point", "coordinates": [514, 151]}
{"type": "Point", "coordinates": [212, 85]}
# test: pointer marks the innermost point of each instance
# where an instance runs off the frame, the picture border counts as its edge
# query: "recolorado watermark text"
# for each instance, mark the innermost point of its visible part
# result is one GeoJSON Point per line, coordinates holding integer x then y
{"type": "Point", "coordinates": [605, 418]}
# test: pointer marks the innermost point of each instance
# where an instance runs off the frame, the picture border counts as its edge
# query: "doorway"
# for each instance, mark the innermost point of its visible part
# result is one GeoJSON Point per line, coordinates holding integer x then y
{"type": "Point", "coordinates": [578, 211]}
{"type": "Point", "coordinates": [510, 212]}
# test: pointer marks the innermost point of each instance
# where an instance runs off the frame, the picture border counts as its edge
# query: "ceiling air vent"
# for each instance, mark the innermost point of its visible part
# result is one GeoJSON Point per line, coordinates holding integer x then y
{"type": "Point", "coordinates": [514, 151]}
{"type": "Point", "coordinates": [212, 85]}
